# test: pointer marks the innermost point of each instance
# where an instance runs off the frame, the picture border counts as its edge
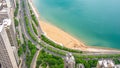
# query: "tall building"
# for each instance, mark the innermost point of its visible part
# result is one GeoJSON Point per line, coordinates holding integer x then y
{"type": "Point", "coordinates": [12, 38]}
{"type": "Point", "coordinates": [7, 58]}
{"type": "Point", "coordinates": [6, 18]}
{"type": "Point", "coordinates": [8, 43]}
{"type": "Point", "coordinates": [69, 61]}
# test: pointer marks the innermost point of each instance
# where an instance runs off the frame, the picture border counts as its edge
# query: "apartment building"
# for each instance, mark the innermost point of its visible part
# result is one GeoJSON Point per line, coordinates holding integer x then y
{"type": "Point", "coordinates": [7, 58]}
{"type": "Point", "coordinates": [69, 61]}
{"type": "Point", "coordinates": [8, 43]}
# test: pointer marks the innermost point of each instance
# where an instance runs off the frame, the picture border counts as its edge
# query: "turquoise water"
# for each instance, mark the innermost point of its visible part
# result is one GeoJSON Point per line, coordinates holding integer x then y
{"type": "Point", "coordinates": [95, 22]}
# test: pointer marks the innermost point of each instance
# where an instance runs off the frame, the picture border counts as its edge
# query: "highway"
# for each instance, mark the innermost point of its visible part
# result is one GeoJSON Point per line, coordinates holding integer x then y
{"type": "Point", "coordinates": [23, 24]}
{"type": "Point", "coordinates": [24, 31]}
{"type": "Point", "coordinates": [37, 16]}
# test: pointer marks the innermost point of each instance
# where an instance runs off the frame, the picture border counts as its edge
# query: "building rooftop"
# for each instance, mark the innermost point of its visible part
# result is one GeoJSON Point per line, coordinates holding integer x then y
{"type": "Point", "coordinates": [69, 58]}
{"type": "Point", "coordinates": [3, 8]}
{"type": "Point", "coordinates": [7, 22]}
{"type": "Point", "coordinates": [2, 17]}
{"type": "Point", "coordinates": [3, 4]}
{"type": "Point", "coordinates": [3, 11]}
{"type": "Point", "coordinates": [8, 3]}
{"type": "Point", "coordinates": [80, 66]}
{"type": "Point", "coordinates": [106, 63]}
{"type": "Point", "coordinates": [1, 27]}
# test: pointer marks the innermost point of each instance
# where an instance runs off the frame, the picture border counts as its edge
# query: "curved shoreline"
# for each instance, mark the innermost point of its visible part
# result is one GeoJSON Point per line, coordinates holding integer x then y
{"type": "Point", "coordinates": [59, 36]}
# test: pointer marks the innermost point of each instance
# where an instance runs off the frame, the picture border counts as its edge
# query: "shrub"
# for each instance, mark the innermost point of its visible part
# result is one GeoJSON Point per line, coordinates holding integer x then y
{"type": "Point", "coordinates": [28, 29]}
{"type": "Point", "coordinates": [20, 51]}
{"type": "Point", "coordinates": [45, 39]}
{"type": "Point", "coordinates": [30, 55]}
{"type": "Point", "coordinates": [34, 29]}
{"type": "Point", "coordinates": [34, 19]}
{"type": "Point", "coordinates": [16, 22]}
{"type": "Point", "coordinates": [51, 60]}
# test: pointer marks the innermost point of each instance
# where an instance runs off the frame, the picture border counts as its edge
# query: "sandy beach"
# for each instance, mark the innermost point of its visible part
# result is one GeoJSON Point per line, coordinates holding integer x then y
{"type": "Point", "coordinates": [59, 36]}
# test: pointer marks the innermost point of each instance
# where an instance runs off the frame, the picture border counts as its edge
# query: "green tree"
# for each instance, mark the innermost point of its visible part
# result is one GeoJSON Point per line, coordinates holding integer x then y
{"type": "Point", "coordinates": [16, 22]}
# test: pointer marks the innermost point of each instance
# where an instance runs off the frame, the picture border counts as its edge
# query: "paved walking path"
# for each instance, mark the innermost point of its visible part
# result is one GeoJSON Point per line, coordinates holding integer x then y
{"type": "Point", "coordinates": [33, 64]}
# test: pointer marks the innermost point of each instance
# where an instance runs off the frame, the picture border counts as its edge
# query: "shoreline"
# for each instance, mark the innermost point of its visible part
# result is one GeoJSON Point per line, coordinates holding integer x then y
{"type": "Point", "coordinates": [61, 37]}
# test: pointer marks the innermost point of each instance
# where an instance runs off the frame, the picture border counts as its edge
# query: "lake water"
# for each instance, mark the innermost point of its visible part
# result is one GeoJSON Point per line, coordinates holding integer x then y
{"type": "Point", "coordinates": [95, 22]}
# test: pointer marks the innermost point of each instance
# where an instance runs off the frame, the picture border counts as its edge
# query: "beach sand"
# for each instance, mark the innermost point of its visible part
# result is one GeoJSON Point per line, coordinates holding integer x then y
{"type": "Point", "coordinates": [59, 36]}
